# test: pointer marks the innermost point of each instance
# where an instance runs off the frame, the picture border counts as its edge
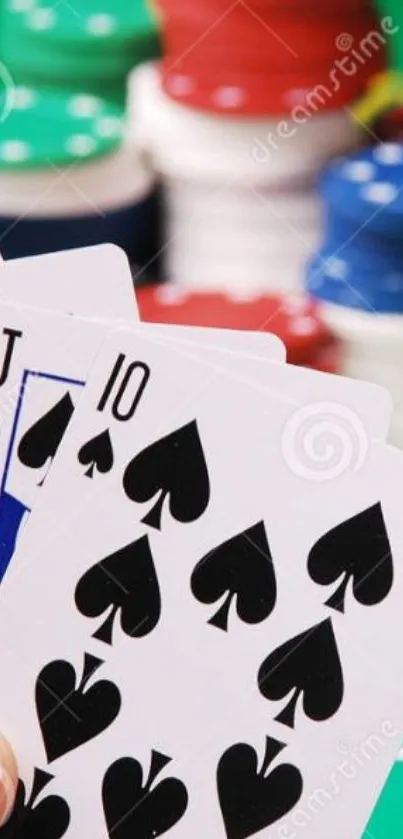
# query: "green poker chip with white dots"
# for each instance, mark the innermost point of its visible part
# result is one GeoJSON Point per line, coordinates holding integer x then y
{"type": "Point", "coordinates": [99, 27]}
{"type": "Point", "coordinates": [46, 42]}
{"type": "Point", "coordinates": [42, 128]}
{"type": "Point", "coordinates": [97, 22]}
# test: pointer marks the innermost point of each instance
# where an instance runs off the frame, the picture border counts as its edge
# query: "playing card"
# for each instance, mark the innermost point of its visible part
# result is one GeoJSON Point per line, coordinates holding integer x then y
{"type": "Point", "coordinates": [120, 675]}
{"type": "Point", "coordinates": [46, 361]}
{"type": "Point", "coordinates": [90, 282]}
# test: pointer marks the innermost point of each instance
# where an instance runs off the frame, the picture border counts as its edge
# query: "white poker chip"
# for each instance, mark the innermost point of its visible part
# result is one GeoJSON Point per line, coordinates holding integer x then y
{"type": "Point", "coordinates": [372, 351]}
{"type": "Point", "coordinates": [112, 182]}
{"type": "Point", "coordinates": [237, 240]}
{"type": "Point", "coordinates": [189, 144]}
{"type": "Point", "coordinates": [379, 334]}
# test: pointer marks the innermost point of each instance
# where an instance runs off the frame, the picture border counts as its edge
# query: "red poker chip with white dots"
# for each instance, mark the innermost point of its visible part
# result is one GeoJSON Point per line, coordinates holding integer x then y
{"type": "Point", "coordinates": [296, 322]}
{"type": "Point", "coordinates": [272, 41]}
{"type": "Point", "coordinates": [240, 69]}
{"type": "Point", "coordinates": [243, 94]}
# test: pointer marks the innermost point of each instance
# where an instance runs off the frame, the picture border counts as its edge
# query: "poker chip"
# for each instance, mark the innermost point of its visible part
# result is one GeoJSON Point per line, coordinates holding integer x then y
{"type": "Point", "coordinates": [131, 227]}
{"type": "Point", "coordinates": [205, 147]}
{"type": "Point", "coordinates": [273, 38]}
{"type": "Point", "coordinates": [372, 350]}
{"type": "Point", "coordinates": [109, 199]}
{"type": "Point", "coordinates": [110, 182]}
{"type": "Point", "coordinates": [50, 61]}
{"type": "Point", "coordinates": [300, 95]}
{"type": "Point", "coordinates": [261, 61]}
{"type": "Point", "coordinates": [295, 7]}
{"type": "Point", "coordinates": [44, 128]}
{"type": "Point", "coordinates": [360, 262]}
{"type": "Point", "coordinates": [47, 43]}
{"type": "Point", "coordinates": [50, 64]}
{"type": "Point", "coordinates": [373, 334]}
{"type": "Point", "coordinates": [295, 321]}
{"type": "Point", "coordinates": [336, 280]}
{"type": "Point", "coordinates": [366, 188]}
{"type": "Point", "coordinates": [99, 22]}
{"type": "Point", "coordinates": [233, 238]}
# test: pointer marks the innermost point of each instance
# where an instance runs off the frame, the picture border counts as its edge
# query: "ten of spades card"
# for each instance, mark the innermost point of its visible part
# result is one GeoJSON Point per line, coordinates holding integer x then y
{"type": "Point", "coordinates": [197, 628]}
{"type": "Point", "coordinates": [45, 363]}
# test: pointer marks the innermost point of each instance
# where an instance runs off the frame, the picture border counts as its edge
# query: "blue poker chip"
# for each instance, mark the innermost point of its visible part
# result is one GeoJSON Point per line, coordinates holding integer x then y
{"type": "Point", "coordinates": [335, 278]}
{"type": "Point", "coordinates": [360, 263]}
{"type": "Point", "coordinates": [367, 188]}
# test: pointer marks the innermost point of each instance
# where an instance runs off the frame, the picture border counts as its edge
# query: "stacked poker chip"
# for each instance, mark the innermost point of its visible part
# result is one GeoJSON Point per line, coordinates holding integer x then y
{"type": "Point", "coordinates": [238, 118]}
{"type": "Point", "coordinates": [91, 48]}
{"type": "Point", "coordinates": [239, 214]}
{"type": "Point", "coordinates": [264, 57]}
{"type": "Point", "coordinates": [66, 178]}
{"type": "Point", "coordinates": [357, 272]}
{"type": "Point", "coordinates": [296, 321]}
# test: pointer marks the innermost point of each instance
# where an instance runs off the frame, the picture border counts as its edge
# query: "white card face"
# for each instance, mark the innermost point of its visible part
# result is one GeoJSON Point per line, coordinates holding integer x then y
{"type": "Point", "coordinates": [257, 344]}
{"type": "Point", "coordinates": [89, 282]}
{"type": "Point", "coordinates": [49, 362]}
{"type": "Point", "coordinates": [139, 670]}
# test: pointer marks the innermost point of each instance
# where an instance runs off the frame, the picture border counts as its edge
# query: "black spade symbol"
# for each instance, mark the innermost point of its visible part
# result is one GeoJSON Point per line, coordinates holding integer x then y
{"type": "Point", "coordinates": [125, 580]}
{"type": "Point", "coordinates": [243, 567]}
{"type": "Point", "coordinates": [43, 439]}
{"type": "Point", "coordinates": [97, 454]}
{"type": "Point", "coordinates": [68, 715]}
{"type": "Point", "coordinates": [357, 549]}
{"type": "Point", "coordinates": [173, 466]}
{"type": "Point", "coordinates": [133, 809]}
{"type": "Point", "coordinates": [48, 820]}
{"type": "Point", "coordinates": [250, 799]}
{"type": "Point", "coordinates": [308, 664]}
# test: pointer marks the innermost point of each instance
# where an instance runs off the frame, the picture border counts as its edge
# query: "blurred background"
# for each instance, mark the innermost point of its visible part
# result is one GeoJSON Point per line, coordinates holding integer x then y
{"type": "Point", "coordinates": [246, 155]}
